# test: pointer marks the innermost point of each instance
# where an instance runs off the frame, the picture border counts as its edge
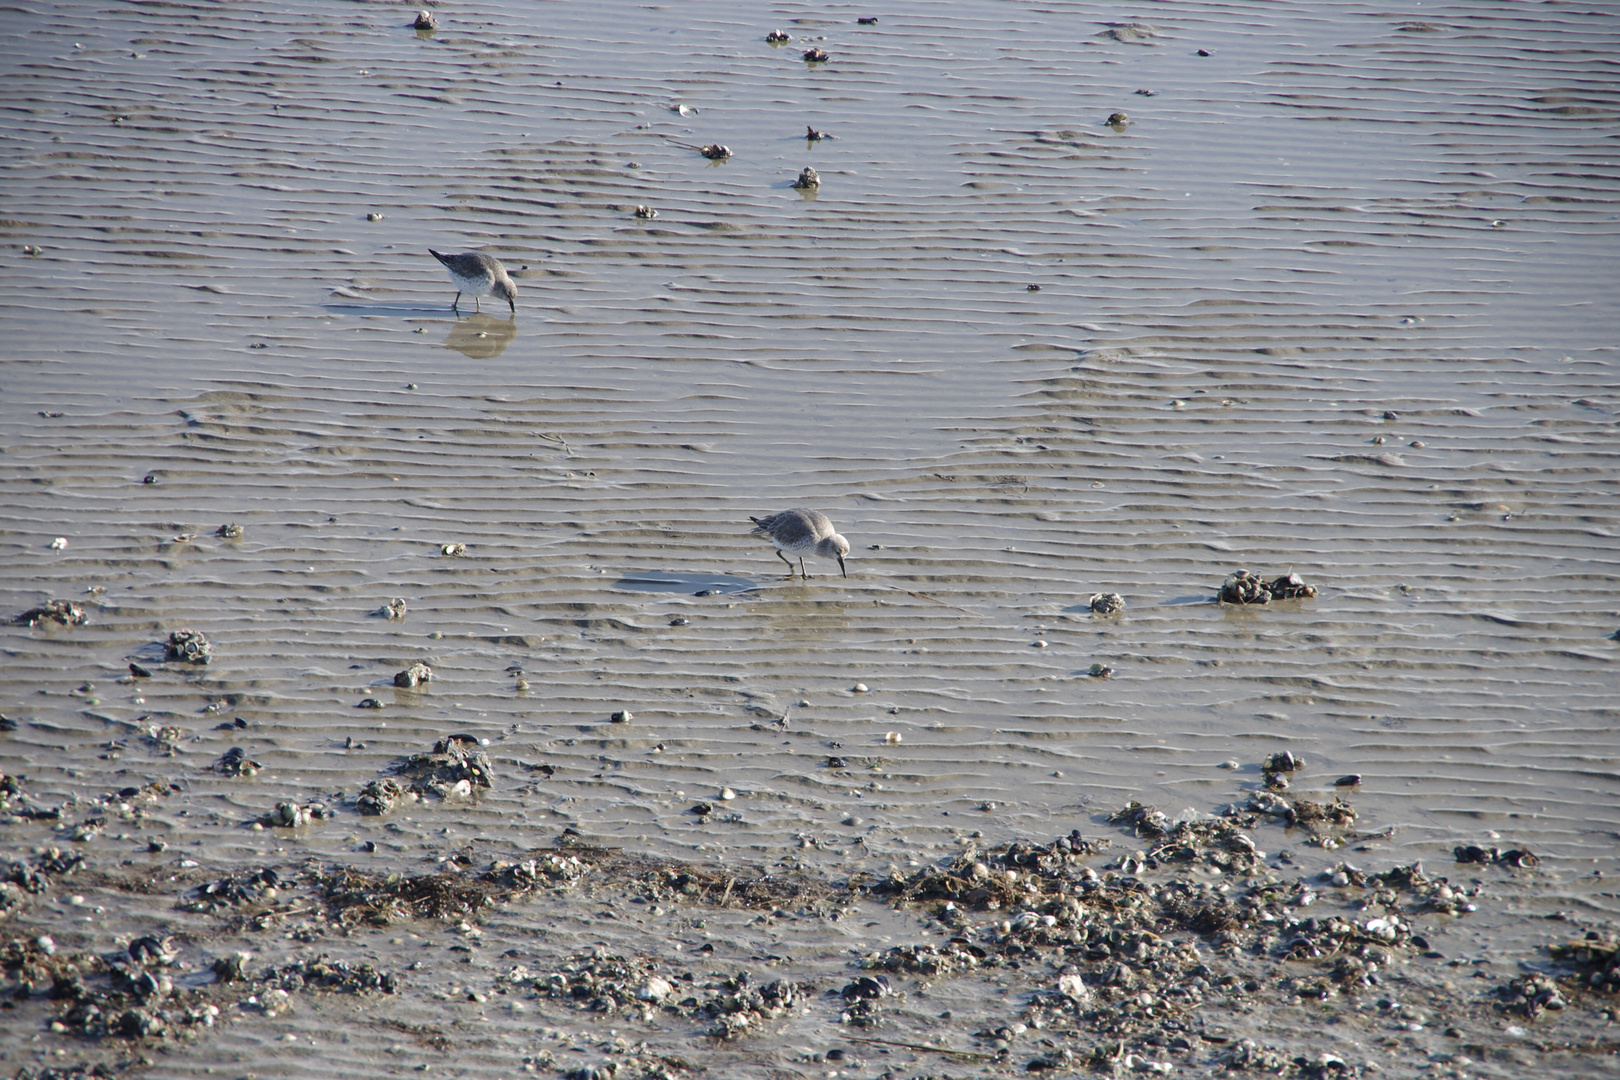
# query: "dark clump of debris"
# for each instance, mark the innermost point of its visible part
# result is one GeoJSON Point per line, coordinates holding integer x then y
{"type": "Point", "coordinates": [60, 612]}
{"type": "Point", "coordinates": [188, 646]}
{"type": "Point", "coordinates": [1243, 587]}
{"type": "Point", "coordinates": [383, 899]}
{"type": "Point", "coordinates": [1518, 858]}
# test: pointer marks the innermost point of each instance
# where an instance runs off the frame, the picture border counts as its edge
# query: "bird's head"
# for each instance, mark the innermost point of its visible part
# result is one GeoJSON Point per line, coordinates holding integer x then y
{"type": "Point", "coordinates": [508, 292]}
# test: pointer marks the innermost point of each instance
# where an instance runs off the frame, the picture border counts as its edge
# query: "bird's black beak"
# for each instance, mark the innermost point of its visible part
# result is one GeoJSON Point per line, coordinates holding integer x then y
{"type": "Point", "coordinates": [513, 305]}
{"type": "Point", "coordinates": [841, 566]}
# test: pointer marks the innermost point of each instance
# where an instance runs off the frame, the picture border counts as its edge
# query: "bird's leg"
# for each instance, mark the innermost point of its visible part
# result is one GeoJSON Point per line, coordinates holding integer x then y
{"type": "Point", "coordinates": [476, 306]}
{"type": "Point", "coordinates": [785, 559]}
{"type": "Point", "coordinates": [455, 304]}
{"type": "Point", "coordinates": [801, 569]}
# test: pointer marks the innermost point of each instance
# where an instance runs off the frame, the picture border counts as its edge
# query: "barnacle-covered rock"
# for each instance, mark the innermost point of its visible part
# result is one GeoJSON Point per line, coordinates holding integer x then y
{"type": "Point", "coordinates": [188, 646]}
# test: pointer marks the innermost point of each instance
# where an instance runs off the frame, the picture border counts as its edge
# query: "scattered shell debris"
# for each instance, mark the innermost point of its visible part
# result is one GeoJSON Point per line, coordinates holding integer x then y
{"type": "Point", "coordinates": [1138, 952]}
{"type": "Point", "coordinates": [57, 612]}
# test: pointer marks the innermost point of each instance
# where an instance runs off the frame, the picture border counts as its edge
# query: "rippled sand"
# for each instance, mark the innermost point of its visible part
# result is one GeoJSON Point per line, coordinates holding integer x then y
{"type": "Point", "coordinates": [1336, 298]}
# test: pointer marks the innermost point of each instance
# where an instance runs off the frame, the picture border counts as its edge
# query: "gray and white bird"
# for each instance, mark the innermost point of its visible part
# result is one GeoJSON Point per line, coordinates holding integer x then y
{"type": "Point", "coordinates": [477, 274]}
{"type": "Point", "coordinates": [801, 533]}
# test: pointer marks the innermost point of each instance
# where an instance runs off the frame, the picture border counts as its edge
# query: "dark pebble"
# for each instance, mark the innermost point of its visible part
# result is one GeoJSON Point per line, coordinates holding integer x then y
{"type": "Point", "coordinates": [1348, 781]}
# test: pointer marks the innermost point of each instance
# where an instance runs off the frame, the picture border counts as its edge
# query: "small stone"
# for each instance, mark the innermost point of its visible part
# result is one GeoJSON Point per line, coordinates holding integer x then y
{"type": "Point", "coordinates": [1037, 644]}
{"type": "Point", "coordinates": [816, 56]}
{"type": "Point", "coordinates": [452, 550]}
{"type": "Point", "coordinates": [892, 738]}
{"type": "Point", "coordinates": [231, 531]}
{"type": "Point", "coordinates": [646, 213]}
{"type": "Point", "coordinates": [808, 178]}
{"type": "Point", "coordinates": [374, 216]}
{"type": "Point", "coordinates": [425, 21]}
{"type": "Point", "coordinates": [1074, 988]}
{"type": "Point", "coordinates": [858, 688]}
{"type": "Point", "coordinates": [1100, 671]}
{"type": "Point", "coordinates": [1118, 119]}
{"type": "Point", "coordinates": [727, 794]}
{"type": "Point", "coordinates": [59, 544]}
{"type": "Point", "coordinates": [777, 37]}
{"type": "Point", "coordinates": [679, 620]}
{"type": "Point", "coordinates": [623, 716]}
{"type": "Point", "coordinates": [1351, 780]}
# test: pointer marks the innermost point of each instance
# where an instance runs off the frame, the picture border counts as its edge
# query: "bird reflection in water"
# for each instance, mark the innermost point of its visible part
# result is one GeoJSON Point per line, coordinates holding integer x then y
{"type": "Point", "coordinates": [481, 337]}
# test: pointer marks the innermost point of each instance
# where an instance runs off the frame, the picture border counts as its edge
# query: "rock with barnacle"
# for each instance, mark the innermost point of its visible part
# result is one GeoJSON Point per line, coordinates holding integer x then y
{"type": "Point", "coordinates": [1243, 587]}
{"type": "Point", "coordinates": [646, 213]}
{"type": "Point", "coordinates": [425, 21]}
{"type": "Point", "coordinates": [812, 135]}
{"type": "Point", "coordinates": [808, 178]}
{"type": "Point", "coordinates": [777, 37]}
{"type": "Point", "coordinates": [816, 55]}
{"type": "Point", "coordinates": [394, 609]}
{"type": "Point", "coordinates": [235, 762]}
{"type": "Point", "coordinates": [715, 152]}
{"type": "Point", "coordinates": [188, 646]}
{"type": "Point", "coordinates": [1107, 603]}
{"type": "Point", "coordinates": [415, 675]}
{"type": "Point", "coordinates": [1290, 587]}
{"type": "Point", "coordinates": [231, 531]}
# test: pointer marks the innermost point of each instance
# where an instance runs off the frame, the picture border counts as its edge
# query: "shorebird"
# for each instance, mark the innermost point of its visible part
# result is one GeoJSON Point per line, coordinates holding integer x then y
{"type": "Point", "coordinates": [801, 533]}
{"type": "Point", "coordinates": [477, 274]}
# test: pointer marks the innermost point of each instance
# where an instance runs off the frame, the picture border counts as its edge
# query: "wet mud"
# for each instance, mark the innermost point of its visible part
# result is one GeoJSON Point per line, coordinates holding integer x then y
{"type": "Point", "coordinates": [389, 688]}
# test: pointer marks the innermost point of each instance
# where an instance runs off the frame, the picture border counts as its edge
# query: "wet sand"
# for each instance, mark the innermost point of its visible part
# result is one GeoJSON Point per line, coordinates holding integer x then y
{"type": "Point", "coordinates": [1335, 300]}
